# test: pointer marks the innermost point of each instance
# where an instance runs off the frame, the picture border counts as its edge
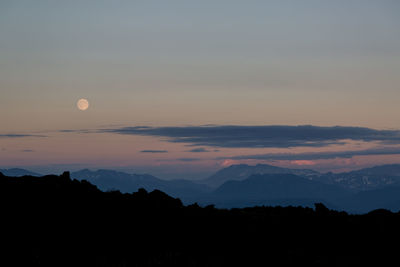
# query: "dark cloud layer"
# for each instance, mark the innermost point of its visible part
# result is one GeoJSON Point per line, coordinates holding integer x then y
{"type": "Point", "coordinates": [188, 159]}
{"type": "Point", "coordinates": [198, 150]}
{"type": "Point", "coordinates": [154, 151]}
{"type": "Point", "coordinates": [261, 136]}
{"type": "Point", "coordinates": [319, 155]}
{"type": "Point", "coordinates": [77, 131]}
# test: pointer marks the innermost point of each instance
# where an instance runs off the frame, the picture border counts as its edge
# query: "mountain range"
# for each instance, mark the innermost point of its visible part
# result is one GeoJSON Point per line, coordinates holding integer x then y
{"type": "Point", "coordinates": [242, 171]}
{"type": "Point", "coordinates": [359, 180]}
{"type": "Point", "coordinates": [276, 189]}
{"type": "Point", "coordinates": [365, 179]}
{"type": "Point", "coordinates": [243, 185]}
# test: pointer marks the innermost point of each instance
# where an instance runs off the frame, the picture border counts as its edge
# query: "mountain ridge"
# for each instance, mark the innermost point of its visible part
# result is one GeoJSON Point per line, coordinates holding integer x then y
{"type": "Point", "coordinates": [242, 171]}
{"type": "Point", "coordinates": [358, 180]}
{"type": "Point", "coordinates": [276, 189]}
{"type": "Point", "coordinates": [127, 183]}
{"type": "Point", "coordinates": [17, 172]}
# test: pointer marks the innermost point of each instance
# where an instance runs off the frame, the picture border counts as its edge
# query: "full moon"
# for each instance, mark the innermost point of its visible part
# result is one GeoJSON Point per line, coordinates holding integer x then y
{"type": "Point", "coordinates": [82, 104]}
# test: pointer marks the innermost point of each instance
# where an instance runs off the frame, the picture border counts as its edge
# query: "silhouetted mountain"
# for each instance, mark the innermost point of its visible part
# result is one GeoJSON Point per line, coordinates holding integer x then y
{"type": "Point", "coordinates": [275, 189]}
{"type": "Point", "coordinates": [243, 171]}
{"type": "Point", "coordinates": [127, 183]}
{"type": "Point", "coordinates": [56, 221]}
{"type": "Point", "coordinates": [16, 172]}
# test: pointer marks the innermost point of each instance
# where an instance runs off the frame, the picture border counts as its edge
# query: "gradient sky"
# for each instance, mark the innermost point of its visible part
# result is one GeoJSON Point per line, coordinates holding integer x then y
{"type": "Point", "coordinates": [191, 63]}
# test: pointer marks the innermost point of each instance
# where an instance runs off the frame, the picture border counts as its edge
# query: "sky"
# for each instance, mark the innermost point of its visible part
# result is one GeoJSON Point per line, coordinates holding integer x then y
{"type": "Point", "coordinates": [166, 79]}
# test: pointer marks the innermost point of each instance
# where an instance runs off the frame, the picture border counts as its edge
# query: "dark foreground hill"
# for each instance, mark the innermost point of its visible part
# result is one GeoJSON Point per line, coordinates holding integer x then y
{"type": "Point", "coordinates": [56, 221]}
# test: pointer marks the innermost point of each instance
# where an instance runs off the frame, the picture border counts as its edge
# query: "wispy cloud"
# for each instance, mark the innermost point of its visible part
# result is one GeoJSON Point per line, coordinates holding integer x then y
{"type": "Point", "coordinates": [27, 150]}
{"type": "Point", "coordinates": [318, 155]}
{"type": "Point", "coordinates": [20, 135]}
{"type": "Point", "coordinates": [180, 159]}
{"type": "Point", "coordinates": [154, 151]}
{"type": "Point", "coordinates": [277, 136]}
{"type": "Point", "coordinates": [77, 131]}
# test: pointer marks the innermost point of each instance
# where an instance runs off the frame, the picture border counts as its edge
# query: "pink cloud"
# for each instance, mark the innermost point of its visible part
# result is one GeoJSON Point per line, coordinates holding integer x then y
{"type": "Point", "coordinates": [303, 162]}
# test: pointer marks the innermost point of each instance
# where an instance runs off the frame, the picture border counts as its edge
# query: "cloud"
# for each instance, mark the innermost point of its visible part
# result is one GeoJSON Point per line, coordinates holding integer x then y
{"type": "Point", "coordinates": [309, 156]}
{"type": "Point", "coordinates": [198, 150]}
{"type": "Point", "coordinates": [27, 150]}
{"type": "Point", "coordinates": [77, 131]}
{"type": "Point", "coordinates": [154, 151]}
{"type": "Point", "coordinates": [20, 135]}
{"type": "Point", "coordinates": [277, 136]}
{"type": "Point", "coordinates": [180, 159]}
{"type": "Point", "coordinates": [188, 159]}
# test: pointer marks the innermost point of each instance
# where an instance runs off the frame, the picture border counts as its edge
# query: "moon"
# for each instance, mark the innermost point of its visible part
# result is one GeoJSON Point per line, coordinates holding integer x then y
{"type": "Point", "coordinates": [82, 104]}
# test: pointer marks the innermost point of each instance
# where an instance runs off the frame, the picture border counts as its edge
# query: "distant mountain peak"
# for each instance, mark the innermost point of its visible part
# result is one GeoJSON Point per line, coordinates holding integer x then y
{"type": "Point", "coordinates": [284, 188]}
{"type": "Point", "coordinates": [357, 180]}
{"type": "Point", "coordinates": [241, 172]}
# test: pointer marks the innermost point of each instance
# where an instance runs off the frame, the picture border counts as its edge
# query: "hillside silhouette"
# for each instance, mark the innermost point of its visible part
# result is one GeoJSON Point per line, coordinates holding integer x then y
{"type": "Point", "coordinates": [56, 221]}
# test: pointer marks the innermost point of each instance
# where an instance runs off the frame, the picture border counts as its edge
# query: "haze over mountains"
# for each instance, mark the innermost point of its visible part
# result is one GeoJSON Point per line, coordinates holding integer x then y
{"type": "Point", "coordinates": [16, 172]}
{"type": "Point", "coordinates": [128, 183]}
{"type": "Point", "coordinates": [243, 171]}
{"type": "Point", "coordinates": [276, 189]}
{"type": "Point", "coordinates": [244, 185]}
